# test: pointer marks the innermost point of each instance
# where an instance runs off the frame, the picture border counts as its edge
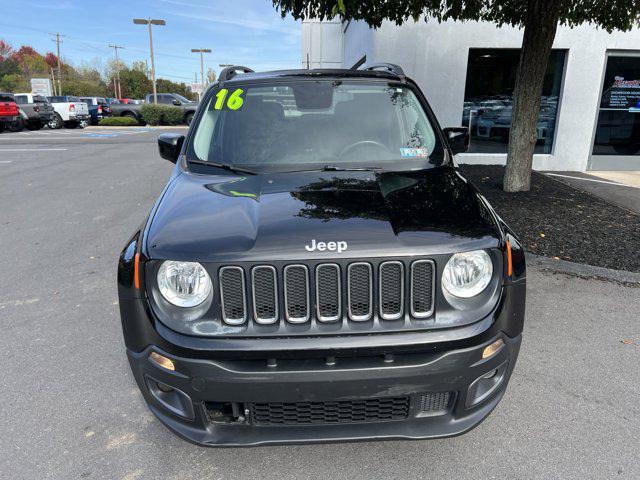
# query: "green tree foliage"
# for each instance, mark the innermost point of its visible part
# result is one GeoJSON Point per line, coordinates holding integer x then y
{"type": "Point", "coordinates": [539, 18]}
{"type": "Point", "coordinates": [167, 86]}
{"type": "Point", "coordinates": [135, 83]}
{"type": "Point", "coordinates": [14, 82]}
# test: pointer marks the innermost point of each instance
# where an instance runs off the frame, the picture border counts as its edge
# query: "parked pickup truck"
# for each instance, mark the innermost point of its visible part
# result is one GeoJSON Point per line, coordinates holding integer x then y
{"type": "Point", "coordinates": [36, 107]}
{"type": "Point", "coordinates": [98, 108]}
{"type": "Point", "coordinates": [8, 110]}
{"type": "Point", "coordinates": [171, 99]}
{"type": "Point", "coordinates": [69, 111]}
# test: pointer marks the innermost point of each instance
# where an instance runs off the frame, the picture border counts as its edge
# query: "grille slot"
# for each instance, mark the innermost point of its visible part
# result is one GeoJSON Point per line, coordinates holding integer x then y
{"type": "Point", "coordinates": [265, 294]}
{"type": "Point", "coordinates": [296, 293]}
{"type": "Point", "coordinates": [435, 402]}
{"type": "Point", "coordinates": [422, 288]}
{"type": "Point", "coordinates": [360, 291]}
{"type": "Point", "coordinates": [233, 295]}
{"type": "Point", "coordinates": [391, 290]}
{"type": "Point", "coordinates": [328, 292]}
{"type": "Point", "coordinates": [345, 411]}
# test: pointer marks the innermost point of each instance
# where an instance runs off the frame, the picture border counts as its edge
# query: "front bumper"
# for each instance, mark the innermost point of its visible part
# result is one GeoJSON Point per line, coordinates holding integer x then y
{"type": "Point", "coordinates": [206, 387]}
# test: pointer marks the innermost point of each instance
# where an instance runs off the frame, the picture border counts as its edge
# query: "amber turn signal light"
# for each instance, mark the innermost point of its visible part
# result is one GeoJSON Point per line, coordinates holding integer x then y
{"type": "Point", "coordinates": [492, 349]}
{"type": "Point", "coordinates": [509, 260]}
{"type": "Point", "coordinates": [136, 271]}
{"type": "Point", "coordinates": [162, 361]}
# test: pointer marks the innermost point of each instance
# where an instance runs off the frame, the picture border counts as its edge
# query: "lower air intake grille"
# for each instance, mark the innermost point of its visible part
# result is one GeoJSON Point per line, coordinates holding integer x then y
{"type": "Point", "coordinates": [435, 402]}
{"type": "Point", "coordinates": [347, 411]}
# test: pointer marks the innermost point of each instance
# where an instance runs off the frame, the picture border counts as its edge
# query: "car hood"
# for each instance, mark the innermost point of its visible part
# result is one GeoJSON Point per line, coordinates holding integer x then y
{"type": "Point", "coordinates": [274, 216]}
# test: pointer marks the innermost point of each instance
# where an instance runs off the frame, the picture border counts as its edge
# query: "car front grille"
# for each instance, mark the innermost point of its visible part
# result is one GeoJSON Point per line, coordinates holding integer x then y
{"type": "Point", "coordinates": [387, 291]}
{"type": "Point", "coordinates": [334, 412]}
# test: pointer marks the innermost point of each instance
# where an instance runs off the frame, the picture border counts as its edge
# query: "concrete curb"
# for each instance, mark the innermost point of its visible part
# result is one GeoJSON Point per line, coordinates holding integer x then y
{"type": "Point", "coordinates": [583, 270]}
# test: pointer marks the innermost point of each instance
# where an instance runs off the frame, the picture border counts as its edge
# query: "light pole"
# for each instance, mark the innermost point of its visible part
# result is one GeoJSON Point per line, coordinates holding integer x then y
{"type": "Point", "coordinates": [201, 51]}
{"type": "Point", "coordinates": [149, 22]}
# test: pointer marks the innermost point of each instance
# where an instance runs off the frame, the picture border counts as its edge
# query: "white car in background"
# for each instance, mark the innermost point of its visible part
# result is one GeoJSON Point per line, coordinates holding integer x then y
{"type": "Point", "coordinates": [70, 112]}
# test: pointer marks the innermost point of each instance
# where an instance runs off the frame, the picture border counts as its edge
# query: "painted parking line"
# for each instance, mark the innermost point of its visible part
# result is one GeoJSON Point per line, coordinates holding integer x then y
{"type": "Point", "coordinates": [33, 149]}
{"type": "Point", "coordinates": [6, 161]}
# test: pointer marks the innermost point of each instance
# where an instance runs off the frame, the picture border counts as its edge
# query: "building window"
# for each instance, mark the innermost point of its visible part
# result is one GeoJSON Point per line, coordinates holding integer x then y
{"type": "Point", "coordinates": [618, 129]}
{"type": "Point", "coordinates": [488, 99]}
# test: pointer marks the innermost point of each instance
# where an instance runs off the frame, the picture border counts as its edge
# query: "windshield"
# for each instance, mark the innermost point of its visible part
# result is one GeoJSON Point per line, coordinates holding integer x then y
{"type": "Point", "coordinates": [314, 125]}
{"type": "Point", "coordinates": [181, 98]}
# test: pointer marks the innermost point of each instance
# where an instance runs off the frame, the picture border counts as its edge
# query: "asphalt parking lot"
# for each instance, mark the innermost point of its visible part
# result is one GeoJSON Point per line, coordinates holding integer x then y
{"type": "Point", "coordinates": [70, 408]}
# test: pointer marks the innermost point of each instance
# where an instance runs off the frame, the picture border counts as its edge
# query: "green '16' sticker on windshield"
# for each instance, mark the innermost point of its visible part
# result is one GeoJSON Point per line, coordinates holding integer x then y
{"type": "Point", "coordinates": [234, 102]}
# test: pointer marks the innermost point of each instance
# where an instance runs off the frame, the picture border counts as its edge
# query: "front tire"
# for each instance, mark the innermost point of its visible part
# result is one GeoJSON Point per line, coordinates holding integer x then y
{"type": "Point", "coordinates": [56, 123]}
{"type": "Point", "coordinates": [188, 118]}
{"type": "Point", "coordinates": [131, 116]}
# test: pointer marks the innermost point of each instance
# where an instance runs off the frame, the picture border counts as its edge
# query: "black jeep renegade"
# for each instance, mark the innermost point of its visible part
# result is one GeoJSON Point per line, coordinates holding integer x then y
{"type": "Point", "coordinates": [318, 269]}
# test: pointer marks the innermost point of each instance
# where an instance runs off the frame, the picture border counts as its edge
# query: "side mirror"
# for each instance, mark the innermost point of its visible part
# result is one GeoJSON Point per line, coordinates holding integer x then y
{"type": "Point", "coordinates": [458, 138]}
{"type": "Point", "coordinates": [169, 145]}
{"type": "Point", "coordinates": [177, 102]}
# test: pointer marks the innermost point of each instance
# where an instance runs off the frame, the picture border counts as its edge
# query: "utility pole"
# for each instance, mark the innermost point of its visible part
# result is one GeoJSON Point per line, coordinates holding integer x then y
{"type": "Point", "coordinates": [149, 22]}
{"type": "Point", "coordinates": [58, 42]}
{"type": "Point", "coordinates": [117, 93]}
{"type": "Point", "coordinates": [201, 51]}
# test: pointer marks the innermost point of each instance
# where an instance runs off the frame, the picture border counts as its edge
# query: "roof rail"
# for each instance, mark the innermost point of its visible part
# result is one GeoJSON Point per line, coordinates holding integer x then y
{"type": "Point", "coordinates": [230, 72]}
{"type": "Point", "coordinates": [389, 67]}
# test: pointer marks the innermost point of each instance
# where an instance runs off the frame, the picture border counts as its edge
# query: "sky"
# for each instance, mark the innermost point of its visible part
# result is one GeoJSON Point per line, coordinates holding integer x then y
{"type": "Point", "coordinates": [241, 32]}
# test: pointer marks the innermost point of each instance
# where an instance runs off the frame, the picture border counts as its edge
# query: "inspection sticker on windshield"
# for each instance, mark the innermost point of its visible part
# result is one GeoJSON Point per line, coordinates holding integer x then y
{"type": "Point", "coordinates": [414, 152]}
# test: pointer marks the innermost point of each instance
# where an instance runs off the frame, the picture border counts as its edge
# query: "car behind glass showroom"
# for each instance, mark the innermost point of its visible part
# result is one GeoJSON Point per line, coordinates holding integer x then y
{"type": "Point", "coordinates": [318, 269]}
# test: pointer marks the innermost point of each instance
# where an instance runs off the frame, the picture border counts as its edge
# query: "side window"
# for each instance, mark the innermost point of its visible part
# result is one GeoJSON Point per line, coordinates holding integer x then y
{"type": "Point", "coordinates": [21, 99]}
{"type": "Point", "coordinates": [166, 99]}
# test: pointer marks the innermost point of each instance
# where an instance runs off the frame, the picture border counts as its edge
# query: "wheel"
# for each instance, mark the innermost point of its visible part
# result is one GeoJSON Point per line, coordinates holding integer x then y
{"type": "Point", "coordinates": [132, 116]}
{"type": "Point", "coordinates": [82, 124]}
{"type": "Point", "coordinates": [16, 126]}
{"type": "Point", "coordinates": [34, 126]}
{"type": "Point", "coordinates": [188, 118]}
{"type": "Point", "coordinates": [57, 122]}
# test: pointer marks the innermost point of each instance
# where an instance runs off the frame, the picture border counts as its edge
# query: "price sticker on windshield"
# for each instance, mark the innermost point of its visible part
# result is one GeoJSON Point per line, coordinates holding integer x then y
{"type": "Point", "coordinates": [233, 102]}
{"type": "Point", "coordinates": [414, 152]}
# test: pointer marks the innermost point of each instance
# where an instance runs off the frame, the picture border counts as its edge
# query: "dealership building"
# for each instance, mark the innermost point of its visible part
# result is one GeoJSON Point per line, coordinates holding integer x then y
{"type": "Point", "coordinates": [590, 108]}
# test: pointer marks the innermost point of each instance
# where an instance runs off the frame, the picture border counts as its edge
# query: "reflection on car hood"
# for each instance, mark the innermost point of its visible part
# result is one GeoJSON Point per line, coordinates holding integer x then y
{"type": "Point", "coordinates": [273, 216]}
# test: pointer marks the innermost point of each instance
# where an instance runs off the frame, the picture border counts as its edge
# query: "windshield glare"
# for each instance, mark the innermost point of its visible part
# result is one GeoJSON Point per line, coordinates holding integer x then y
{"type": "Point", "coordinates": [316, 124]}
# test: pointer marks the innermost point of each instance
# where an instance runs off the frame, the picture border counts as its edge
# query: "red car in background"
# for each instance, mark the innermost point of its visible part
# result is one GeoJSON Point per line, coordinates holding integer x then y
{"type": "Point", "coordinates": [8, 110]}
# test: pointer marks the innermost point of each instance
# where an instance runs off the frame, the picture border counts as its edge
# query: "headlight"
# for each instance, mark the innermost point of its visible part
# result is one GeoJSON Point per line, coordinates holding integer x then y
{"type": "Point", "coordinates": [467, 274]}
{"type": "Point", "coordinates": [184, 284]}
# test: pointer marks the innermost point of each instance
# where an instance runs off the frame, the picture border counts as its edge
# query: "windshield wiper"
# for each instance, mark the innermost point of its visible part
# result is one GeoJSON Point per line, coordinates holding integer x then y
{"type": "Point", "coordinates": [336, 168]}
{"type": "Point", "coordinates": [224, 166]}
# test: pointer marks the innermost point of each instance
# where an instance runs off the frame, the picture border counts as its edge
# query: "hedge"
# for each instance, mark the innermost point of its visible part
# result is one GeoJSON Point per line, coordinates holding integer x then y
{"type": "Point", "coordinates": [118, 122]}
{"type": "Point", "coordinates": [161, 114]}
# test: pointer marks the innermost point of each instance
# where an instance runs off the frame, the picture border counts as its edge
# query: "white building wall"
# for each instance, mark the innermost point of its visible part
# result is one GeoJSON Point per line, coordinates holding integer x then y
{"type": "Point", "coordinates": [435, 55]}
{"type": "Point", "coordinates": [322, 44]}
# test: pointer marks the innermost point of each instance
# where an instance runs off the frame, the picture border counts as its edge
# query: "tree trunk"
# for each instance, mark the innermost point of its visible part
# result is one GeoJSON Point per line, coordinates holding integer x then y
{"type": "Point", "coordinates": [539, 32]}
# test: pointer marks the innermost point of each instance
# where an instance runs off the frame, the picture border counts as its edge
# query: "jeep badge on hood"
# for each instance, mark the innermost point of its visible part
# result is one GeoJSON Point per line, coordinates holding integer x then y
{"type": "Point", "coordinates": [322, 246]}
